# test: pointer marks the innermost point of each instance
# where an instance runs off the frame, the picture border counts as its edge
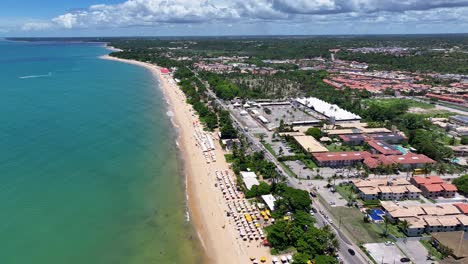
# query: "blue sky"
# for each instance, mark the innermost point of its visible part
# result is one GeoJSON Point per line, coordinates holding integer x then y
{"type": "Point", "coordinates": [234, 17]}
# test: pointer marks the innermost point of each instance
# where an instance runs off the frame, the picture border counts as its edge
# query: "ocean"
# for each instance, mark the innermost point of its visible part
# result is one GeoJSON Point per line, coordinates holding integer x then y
{"type": "Point", "coordinates": [89, 170]}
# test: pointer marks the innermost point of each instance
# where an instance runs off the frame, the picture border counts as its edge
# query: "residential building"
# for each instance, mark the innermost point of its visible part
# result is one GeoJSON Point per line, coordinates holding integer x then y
{"type": "Point", "coordinates": [340, 159]}
{"type": "Point", "coordinates": [407, 161]}
{"type": "Point", "coordinates": [427, 218]}
{"type": "Point", "coordinates": [383, 189]}
{"type": "Point", "coordinates": [434, 187]}
{"type": "Point", "coordinates": [381, 147]}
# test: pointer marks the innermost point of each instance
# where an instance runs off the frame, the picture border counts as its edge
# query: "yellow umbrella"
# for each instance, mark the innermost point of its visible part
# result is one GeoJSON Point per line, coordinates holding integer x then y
{"type": "Point", "coordinates": [263, 259]}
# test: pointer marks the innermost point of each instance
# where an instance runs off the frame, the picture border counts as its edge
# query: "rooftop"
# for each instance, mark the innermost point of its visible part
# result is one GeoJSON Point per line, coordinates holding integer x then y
{"type": "Point", "coordinates": [327, 109]}
{"type": "Point", "coordinates": [428, 180]}
{"type": "Point", "coordinates": [338, 156]}
{"type": "Point", "coordinates": [463, 207]}
{"type": "Point", "coordinates": [310, 144]}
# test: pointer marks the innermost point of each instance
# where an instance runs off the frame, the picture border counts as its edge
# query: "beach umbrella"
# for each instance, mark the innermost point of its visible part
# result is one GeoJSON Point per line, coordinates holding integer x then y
{"type": "Point", "coordinates": [289, 257]}
{"type": "Point", "coordinates": [255, 262]}
{"type": "Point", "coordinates": [274, 260]}
{"type": "Point", "coordinates": [263, 259]}
{"type": "Point", "coordinates": [252, 258]}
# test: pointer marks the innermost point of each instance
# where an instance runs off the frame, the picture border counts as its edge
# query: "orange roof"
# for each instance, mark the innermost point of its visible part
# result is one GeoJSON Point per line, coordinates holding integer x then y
{"type": "Point", "coordinates": [432, 187]}
{"type": "Point", "coordinates": [428, 180]}
{"type": "Point", "coordinates": [449, 187]}
{"type": "Point", "coordinates": [462, 207]}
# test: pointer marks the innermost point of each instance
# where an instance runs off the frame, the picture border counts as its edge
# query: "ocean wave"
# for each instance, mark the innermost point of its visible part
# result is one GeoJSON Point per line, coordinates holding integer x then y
{"type": "Point", "coordinates": [36, 76]}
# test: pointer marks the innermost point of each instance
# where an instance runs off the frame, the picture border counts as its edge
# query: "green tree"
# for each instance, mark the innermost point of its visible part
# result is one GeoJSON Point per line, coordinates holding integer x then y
{"type": "Point", "coordinates": [462, 183]}
{"type": "Point", "coordinates": [464, 140]}
{"type": "Point", "coordinates": [314, 132]}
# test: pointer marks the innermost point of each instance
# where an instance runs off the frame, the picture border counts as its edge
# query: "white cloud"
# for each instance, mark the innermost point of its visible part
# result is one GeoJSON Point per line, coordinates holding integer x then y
{"type": "Point", "coordinates": [36, 26]}
{"type": "Point", "coordinates": [172, 12]}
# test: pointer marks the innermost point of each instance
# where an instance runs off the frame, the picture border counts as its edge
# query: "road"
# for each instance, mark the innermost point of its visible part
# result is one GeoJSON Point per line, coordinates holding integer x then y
{"type": "Point", "coordinates": [345, 242]}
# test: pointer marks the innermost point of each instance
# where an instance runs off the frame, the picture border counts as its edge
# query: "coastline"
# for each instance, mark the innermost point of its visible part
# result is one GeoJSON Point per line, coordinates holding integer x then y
{"type": "Point", "coordinates": [206, 204]}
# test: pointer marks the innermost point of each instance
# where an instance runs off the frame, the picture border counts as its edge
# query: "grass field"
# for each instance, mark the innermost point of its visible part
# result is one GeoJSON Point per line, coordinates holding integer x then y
{"type": "Point", "coordinates": [345, 191]}
{"type": "Point", "coordinates": [390, 101]}
{"type": "Point", "coordinates": [352, 220]}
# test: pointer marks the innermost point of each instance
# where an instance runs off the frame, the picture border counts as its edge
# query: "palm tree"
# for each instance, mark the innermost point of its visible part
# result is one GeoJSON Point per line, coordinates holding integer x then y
{"type": "Point", "coordinates": [441, 169]}
{"type": "Point", "coordinates": [386, 222]}
{"type": "Point", "coordinates": [428, 168]}
{"type": "Point", "coordinates": [404, 225]}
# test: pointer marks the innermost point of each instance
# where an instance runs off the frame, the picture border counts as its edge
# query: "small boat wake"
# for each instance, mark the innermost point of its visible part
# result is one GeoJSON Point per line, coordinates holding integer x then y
{"type": "Point", "coordinates": [36, 76]}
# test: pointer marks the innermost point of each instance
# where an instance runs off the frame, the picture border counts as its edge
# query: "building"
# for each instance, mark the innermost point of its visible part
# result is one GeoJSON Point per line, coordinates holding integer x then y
{"type": "Point", "coordinates": [330, 111]}
{"type": "Point", "coordinates": [460, 151]}
{"type": "Point", "coordinates": [463, 207]}
{"type": "Point", "coordinates": [407, 161]}
{"type": "Point", "coordinates": [165, 71]}
{"type": "Point", "coordinates": [434, 187]}
{"type": "Point", "coordinates": [353, 139]}
{"type": "Point", "coordinates": [383, 189]}
{"type": "Point", "coordinates": [249, 178]}
{"type": "Point", "coordinates": [459, 120]}
{"type": "Point", "coordinates": [269, 201]}
{"type": "Point", "coordinates": [310, 144]}
{"type": "Point", "coordinates": [381, 147]}
{"type": "Point", "coordinates": [390, 138]}
{"type": "Point", "coordinates": [426, 218]}
{"type": "Point", "coordinates": [446, 98]}
{"type": "Point", "coordinates": [340, 159]}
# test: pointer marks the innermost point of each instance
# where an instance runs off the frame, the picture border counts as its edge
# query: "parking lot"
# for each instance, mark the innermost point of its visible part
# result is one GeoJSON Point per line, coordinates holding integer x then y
{"type": "Point", "coordinates": [416, 250]}
{"type": "Point", "coordinates": [382, 253]}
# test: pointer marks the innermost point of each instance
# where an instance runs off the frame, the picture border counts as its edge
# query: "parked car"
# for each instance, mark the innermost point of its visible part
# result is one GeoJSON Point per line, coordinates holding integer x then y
{"type": "Point", "coordinates": [405, 260]}
{"type": "Point", "coordinates": [351, 252]}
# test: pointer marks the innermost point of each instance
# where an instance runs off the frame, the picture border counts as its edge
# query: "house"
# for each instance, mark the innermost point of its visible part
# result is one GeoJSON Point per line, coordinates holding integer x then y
{"type": "Point", "coordinates": [390, 138]}
{"type": "Point", "coordinates": [433, 187]}
{"type": "Point", "coordinates": [353, 140]}
{"type": "Point", "coordinates": [383, 189]}
{"type": "Point", "coordinates": [426, 218]}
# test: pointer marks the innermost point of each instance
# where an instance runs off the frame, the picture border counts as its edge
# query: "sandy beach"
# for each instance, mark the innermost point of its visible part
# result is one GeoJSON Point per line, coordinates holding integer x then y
{"type": "Point", "coordinates": [207, 205]}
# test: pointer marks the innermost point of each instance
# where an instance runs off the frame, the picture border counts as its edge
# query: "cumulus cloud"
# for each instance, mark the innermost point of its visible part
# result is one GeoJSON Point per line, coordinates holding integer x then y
{"type": "Point", "coordinates": [157, 12]}
{"type": "Point", "coordinates": [36, 26]}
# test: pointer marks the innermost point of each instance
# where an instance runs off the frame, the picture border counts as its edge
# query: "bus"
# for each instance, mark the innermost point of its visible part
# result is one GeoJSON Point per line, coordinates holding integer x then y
{"type": "Point", "coordinates": [419, 171]}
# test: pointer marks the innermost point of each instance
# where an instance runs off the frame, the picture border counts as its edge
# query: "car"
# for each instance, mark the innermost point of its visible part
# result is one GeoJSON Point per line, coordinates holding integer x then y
{"type": "Point", "coordinates": [351, 252]}
{"type": "Point", "coordinates": [389, 243]}
{"type": "Point", "coordinates": [405, 260]}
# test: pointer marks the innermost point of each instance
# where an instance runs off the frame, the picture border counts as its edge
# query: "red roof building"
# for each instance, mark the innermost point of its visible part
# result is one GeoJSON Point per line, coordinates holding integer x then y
{"type": "Point", "coordinates": [434, 187]}
{"type": "Point", "coordinates": [462, 207]}
{"type": "Point", "coordinates": [165, 71]}
{"type": "Point", "coordinates": [340, 159]}
{"type": "Point", "coordinates": [383, 148]}
{"type": "Point", "coordinates": [407, 161]}
{"type": "Point", "coordinates": [418, 180]}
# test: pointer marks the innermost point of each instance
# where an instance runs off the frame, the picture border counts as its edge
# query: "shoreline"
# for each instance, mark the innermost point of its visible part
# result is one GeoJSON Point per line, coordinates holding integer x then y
{"type": "Point", "coordinates": [207, 208]}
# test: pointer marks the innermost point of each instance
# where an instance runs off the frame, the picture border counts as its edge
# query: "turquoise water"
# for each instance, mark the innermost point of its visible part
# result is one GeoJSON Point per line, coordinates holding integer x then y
{"type": "Point", "coordinates": [401, 149]}
{"type": "Point", "coordinates": [88, 164]}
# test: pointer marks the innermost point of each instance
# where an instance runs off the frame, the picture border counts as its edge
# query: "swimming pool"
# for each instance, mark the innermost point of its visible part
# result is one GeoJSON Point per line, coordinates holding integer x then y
{"type": "Point", "coordinates": [376, 215]}
{"type": "Point", "coordinates": [401, 149]}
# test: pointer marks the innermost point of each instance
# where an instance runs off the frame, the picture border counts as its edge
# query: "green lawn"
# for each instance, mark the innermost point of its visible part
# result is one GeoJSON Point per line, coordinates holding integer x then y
{"type": "Point", "coordinates": [310, 164]}
{"type": "Point", "coordinates": [345, 191]}
{"type": "Point", "coordinates": [269, 148]}
{"type": "Point", "coordinates": [352, 220]}
{"type": "Point", "coordinates": [411, 103]}
{"type": "Point", "coordinates": [337, 147]}
{"type": "Point", "coordinates": [434, 252]}
{"type": "Point", "coordinates": [287, 170]}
